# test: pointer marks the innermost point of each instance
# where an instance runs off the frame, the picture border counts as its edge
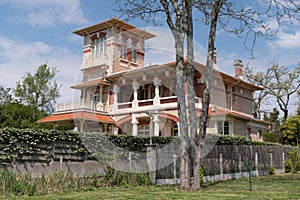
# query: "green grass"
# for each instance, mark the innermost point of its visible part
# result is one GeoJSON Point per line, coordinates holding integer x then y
{"type": "Point", "coordinates": [270, 187]}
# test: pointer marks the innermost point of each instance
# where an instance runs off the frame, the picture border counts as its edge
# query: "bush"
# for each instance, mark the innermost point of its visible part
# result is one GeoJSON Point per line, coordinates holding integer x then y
{"type": "Point", "coordinates": [269, 137]}
{"type": "Point", "coordinates": [293, 163]}
{"type": "Point", "coordinates": [271, 170]}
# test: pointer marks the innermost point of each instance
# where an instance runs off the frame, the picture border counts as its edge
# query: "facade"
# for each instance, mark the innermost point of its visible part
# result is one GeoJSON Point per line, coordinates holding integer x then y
{"type": "Point", "coordinates": [122, 95]}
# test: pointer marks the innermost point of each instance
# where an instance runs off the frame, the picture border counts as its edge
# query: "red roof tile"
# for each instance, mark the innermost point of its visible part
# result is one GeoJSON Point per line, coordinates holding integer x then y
{"type": "Point", "coordinates": [77, 115]}
{"type": "Point", "coordinates": [90, 83]}
{"type": "Point", "coordinates": [221, 111]}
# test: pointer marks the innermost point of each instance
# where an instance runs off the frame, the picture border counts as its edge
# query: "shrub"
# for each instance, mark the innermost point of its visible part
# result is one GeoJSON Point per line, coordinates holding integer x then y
{"type": "Point", "coordinates": [293, 163]}
{"type": "Point", "coordinates": [271, 170]}
{"type": "Point", "coordinates": [269, 137]}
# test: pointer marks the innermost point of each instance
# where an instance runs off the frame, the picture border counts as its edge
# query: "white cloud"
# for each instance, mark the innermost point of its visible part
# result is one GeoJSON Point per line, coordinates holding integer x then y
{"type": "Point", "coordinates": [45, 13]}
{"type": "Point", "coordinates": [18, 57]}
{"type": "Point", "coordinates": [287, 40]}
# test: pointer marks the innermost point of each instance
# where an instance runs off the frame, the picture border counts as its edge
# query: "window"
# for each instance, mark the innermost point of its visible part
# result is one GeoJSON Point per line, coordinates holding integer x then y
{"type": "Point", "coordinates": [124, 48]}
{"type": "Point", "coordinates": [99, 46]}
{"type": "Point", "coordinates": [133, 53]}
{"type": "Point", "coordinates": [223, 128]}
{"type": "Point", "coordinates": [144, 91]}
{"type": "Point", "coordinates": [143, 130]}
{"type": "Point", "coordinates": [175, 130]}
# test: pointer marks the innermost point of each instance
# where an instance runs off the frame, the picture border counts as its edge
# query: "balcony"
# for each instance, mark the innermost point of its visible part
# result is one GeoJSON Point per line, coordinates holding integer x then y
{"type": "Point", "coordinates": [88, 105]}
{"type": "Point", "coordinates": [164, 103]}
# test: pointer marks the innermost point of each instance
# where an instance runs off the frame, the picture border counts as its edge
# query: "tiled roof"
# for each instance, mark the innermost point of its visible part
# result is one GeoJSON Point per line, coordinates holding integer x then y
{"type": "Point", "coordinates": [90, 83]}
{"type": "Point", "coordinates": [77, 115]}
{"type": "Point", "coordinates": [221, 111]}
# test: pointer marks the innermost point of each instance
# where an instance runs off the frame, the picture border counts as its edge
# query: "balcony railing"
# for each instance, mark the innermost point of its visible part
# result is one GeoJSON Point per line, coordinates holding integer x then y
{"type": "Point", "coordinates": [90, 105]}
{"type": "Point", "coordinates": [169, 102]}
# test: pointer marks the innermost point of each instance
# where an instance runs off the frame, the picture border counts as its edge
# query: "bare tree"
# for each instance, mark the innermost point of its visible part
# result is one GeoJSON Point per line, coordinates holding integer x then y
{"type": "Point", "coordinates": [278, 82]}
{"type": "Point", "coordinates": [261, 97]}
{"type": "Point", "coordinates": [230, 16]}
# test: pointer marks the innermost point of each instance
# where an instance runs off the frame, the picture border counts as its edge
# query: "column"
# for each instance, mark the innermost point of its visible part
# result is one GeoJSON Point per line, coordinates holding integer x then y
{"type": "Point", "coordinates": [178, 129]}
{"type": "Point", "coordinates": [83, 98]}
{"type": "Point", "coordinates": [115, 101]}
{"type": "Point", "coordinates": [135, 87]}
{"type": "Point", "coordinates": [100, 104]}
{"type": "Point", "coordinates": [134, 123]}
{"type": "Point", "coordinates": [156, 125]}
{"type": "Point", "coordinates": [157, 83]}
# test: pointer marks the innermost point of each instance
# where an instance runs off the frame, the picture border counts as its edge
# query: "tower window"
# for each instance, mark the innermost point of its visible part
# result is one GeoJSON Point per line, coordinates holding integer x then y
{"type": "Point", "coordinates": [99, 46]}
{"type": "Point", "coordinates": [124, 48]}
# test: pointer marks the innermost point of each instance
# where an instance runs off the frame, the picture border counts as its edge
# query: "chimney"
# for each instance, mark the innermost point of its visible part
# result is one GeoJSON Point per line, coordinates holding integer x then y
{"type": "Point", "coordinates": [238, 65]}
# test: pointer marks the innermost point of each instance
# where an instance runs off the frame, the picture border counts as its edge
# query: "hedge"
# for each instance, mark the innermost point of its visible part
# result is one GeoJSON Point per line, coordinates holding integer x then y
{"type": "Point", "coordinates": [15, 142]}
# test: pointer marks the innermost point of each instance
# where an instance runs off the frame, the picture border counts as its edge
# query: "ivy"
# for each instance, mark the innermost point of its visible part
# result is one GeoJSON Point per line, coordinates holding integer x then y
{"type": "Point", "coordinates": [15, 143]}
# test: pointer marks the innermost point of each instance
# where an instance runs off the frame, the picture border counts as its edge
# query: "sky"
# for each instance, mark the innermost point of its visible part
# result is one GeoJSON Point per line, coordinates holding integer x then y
{"type": "Point", "coordinates": [34, 32]}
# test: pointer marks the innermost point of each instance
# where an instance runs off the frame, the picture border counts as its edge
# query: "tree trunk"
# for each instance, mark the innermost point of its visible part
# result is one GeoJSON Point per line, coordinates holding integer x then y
{"type": "Point", "coordinates": [206, 97]}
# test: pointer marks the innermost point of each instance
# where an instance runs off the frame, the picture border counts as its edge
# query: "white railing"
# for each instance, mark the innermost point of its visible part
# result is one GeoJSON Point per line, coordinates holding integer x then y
{"type": "Point", "coordinates": [90, 105]}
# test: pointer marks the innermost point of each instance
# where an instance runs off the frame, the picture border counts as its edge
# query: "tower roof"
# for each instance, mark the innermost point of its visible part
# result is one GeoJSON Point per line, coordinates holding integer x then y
{"type": "Point", "coordinates": [113, 22]}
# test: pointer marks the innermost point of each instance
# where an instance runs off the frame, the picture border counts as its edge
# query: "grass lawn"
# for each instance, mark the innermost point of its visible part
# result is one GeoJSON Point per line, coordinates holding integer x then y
{"type": "Point", "coordinates": [270, 187]}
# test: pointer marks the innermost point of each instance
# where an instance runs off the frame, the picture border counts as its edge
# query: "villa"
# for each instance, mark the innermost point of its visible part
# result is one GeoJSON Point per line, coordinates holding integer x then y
{"type": "Point", "coordinates": [120, 94]}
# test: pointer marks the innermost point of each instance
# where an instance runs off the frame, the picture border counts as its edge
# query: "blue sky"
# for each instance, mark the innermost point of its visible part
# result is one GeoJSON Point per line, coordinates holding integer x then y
{"type": "Point", "coordinates": [37, 31]}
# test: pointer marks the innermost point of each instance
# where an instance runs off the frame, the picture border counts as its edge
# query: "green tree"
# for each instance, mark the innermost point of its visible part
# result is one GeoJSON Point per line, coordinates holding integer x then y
{"type": "Point", "coordinates": [17, 115]}
{"type": "Point", "coordinates": [291, 130]}
{"type": "Point", "coordinates": [38, 90]}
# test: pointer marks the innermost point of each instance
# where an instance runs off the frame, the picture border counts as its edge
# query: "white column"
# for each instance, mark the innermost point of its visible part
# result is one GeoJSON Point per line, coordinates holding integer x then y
{"type": "Point", "coordinates": [115, 103]}
{"type": "Point", "coordinates": [100, 104]}
{"type": "Point", "coordinates": [135, 87]}
{"type": "Point", "coordinates": [100, 94]}
{"type": "Point", "coordinates": [178, 129]}
{"type": "Point", "coordinates": [157, 83]}
{"type": "Point", "coordinates": [156, 125]}
{"type": "Point", "coordinates": [134, 123]}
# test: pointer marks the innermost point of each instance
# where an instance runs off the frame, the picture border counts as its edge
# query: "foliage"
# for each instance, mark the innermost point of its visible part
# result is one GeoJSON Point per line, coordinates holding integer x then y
{"type": "Point", "coordinates": [291, 130]}
{"type": "Point", "coordinates": [114, 177]}
{"type": "Point", "coordinates": [16, 115]}
{"type": "Point", "coordinates": [39, 90]}
{"type": "Point", "coordinates": [271, 170]}
{"type": "Point", "coordinates": [17, 184]}
{"type": "Point", "coordinates": [292, 164]}
{"type": "Point", "coordinates": [15, 142]}
{"type": "Point", "coordinates": [269, 137]}
{"type": "Point", "coordinates": [266, 187]}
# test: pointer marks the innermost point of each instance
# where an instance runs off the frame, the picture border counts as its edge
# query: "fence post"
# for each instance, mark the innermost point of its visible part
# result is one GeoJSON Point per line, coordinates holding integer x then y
{"type": "Point", "coordinates": [130, 162]}
{"type": "Point", "coordinates": [283, 161]}
{"type": "Point", "coordinates": [151, 160]}
{"type": "Point", "coordinates": [174, 168]}
{"type": "Point", "coordinates": [240, 162]}
{"type": "Point", "coordinates": [256, 163]}
{"type": "Point", "coordinates": [221, 164]}
{"type": "Point", "coordinates": [271, 159]}
{"type": "Point", "coordinates": [61, 163]}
